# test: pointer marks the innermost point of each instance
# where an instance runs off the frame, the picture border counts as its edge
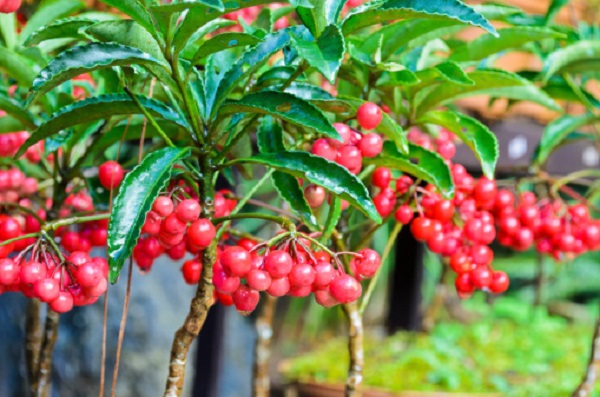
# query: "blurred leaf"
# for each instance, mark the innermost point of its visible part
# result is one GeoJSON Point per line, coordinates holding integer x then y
{"type": "Point", "coordinates": [62, 28]}
{"type": "Point", "coordinates": [581, 57]}
{"type": "Point", "coordinates": [48, 12]}
{"type": "Point", "coordinates": [325, 54]}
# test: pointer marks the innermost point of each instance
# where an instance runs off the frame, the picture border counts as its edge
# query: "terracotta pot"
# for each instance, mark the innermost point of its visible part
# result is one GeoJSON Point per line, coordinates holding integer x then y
{"type": "Point", "coordinates": [325, 390]}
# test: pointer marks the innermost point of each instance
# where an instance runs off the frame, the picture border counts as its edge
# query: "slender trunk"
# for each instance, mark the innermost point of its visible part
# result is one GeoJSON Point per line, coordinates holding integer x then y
{"type": "Point", "coordinates": [431, 314]}
{"type": "Point", "coordinates": [194, 322]}
{"type": "Point", "coordinates": [262, 353]}
{"type": "Point", "coordinates": [33, 344]}
{"type": "Point", "coordinates": [42, 385]}
{"type": "Point", "coordinates": [586, 387]}
{"type": "Point", "coordinates": [356, 350]}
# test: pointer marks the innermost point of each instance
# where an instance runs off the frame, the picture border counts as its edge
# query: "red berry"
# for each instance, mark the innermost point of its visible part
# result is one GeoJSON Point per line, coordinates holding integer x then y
{"type": "Point", "coordinates": [370, 145]}
{"type": "Point", "coordinates": [63, 302]}
{"type": "Point", "coordinates": [463, 284]}
{"type": "Point", "coordinates": [325, 273]}
{"type": "Point", "coordinates": [345, 133]}
{"type": "Point", "coordinates": [245, 300]}
{"type": "Point", "coordinates": [461, 263]}
{"type": "Point", "coordinates": [345, 288]}
{"type": "Point", "coordinates": [9, 271]}
{"type": "Point", "coordinates": [315, 195]}
{"type": "Point", "coordinates": [224, 283]}
{"type": "Point", "coordinates": [172, 225]}
{"type": "Point", "coordinates": [278, 263]}
{"type": "Point", "coordinates": [350, 157]}
{"type": "Point", "coordinates": [485, 191]}
{"type": "Point", "coordinates": [481, 277]}
{"type": "Point", "coordinates": [302, 275]}
{"type": "Point", "coordinates": [110, 174]}
{"type": "Point", "coordinates": [258, 280]}
{"type": "Point", "coordinates": [32, 272]}
{"type": "Point", "coordinates": [322, 148]}
{"type": "Point", "coordinates": [482, 255]}
{"type": "Point", "coordinates": [422, 228]}
{"type": "Point", "coordinates": [201, 232]}
{"type": "Point", "coordinates": [188, 210]}
{"type": "Point", "coordinates": [9, 6]}
{"type": "Point", "coordinates": [191, 271]}
{"type": "Point", "coordinates": [9, 228]}
{"type": "Point", "coordinates": [279, 287]}
{"type": "Point", "coordinates": [236, 261]}
{"type": "Point", "coordinates": [97, 290]}
{"type": "Point", "coordinates": [384, 204]}
{"type": "Point", "coordinates": [367, 263]}
{"type": "Point", "coordinates": [381, 177]}
{"type": "Point", "coordinates": [88, 275]}
{"type": "Point", "coordinates": [163, 206]}
{"type": "Point", "coordinates": [499, 282]}
{"type": "Point", "coordinates": [404, 214]}
{"type": "Point", "coordinates": [324, 298]}
{"type": "Point", "coordinates": [46, 289]}
{"type": "Point", "coordinates": [369, 115]}
{"type": "Point", "coordinates": [446, 149]}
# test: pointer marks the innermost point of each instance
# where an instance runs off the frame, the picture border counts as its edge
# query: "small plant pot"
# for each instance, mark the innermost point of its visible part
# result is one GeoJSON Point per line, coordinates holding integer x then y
{"type": "Point", "coordinates": [327, 390]}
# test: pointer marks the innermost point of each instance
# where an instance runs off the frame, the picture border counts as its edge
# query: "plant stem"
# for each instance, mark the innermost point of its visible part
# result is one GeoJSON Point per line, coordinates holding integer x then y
{"type": "Point", "coordinates": [75, 220]}
{"type": "Point", "coordinates": [33, 344]}
{"type": "Point", "coordinates": [43, 381]}
{"type": "Point", "coordinates": [386, 252]}
{"type": "Point", "coordinates": [586, 387]}
{"type": "Point", "coordinates": [356, 350]}
{"type": "Point", "coordinates": [262, 351]}
{"type": "Point", "coordinates": [23, 237]}
{"type": "Point", "coordinates": [20, 208]}
{"type": "Point", "coordinates": [113, 389]}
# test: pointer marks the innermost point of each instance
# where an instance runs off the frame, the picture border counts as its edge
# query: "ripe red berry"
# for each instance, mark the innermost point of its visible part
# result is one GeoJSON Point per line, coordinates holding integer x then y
{"type": "Point", "coordinates": [9, 271]}
{"type": "Point", "coordinates": [369, 115]}
{"type": "Point", "coordinates": [350, 157]}
{"type": "Point", "coordinates": [110, 174]}
{"type": "Point", "coordinates": [63, 302]}
{"type": "Point", "coordinates": [485, 191]}
{"type": "Point", "coordinates": [245, 300]}
{"type": "Point", "coordinates": [278, 263]}
{"type": "Point", "coordinates": [481, 277]}
{"type": "Point", "coordinates": [279, 287]}
{"type": "Point", "coordinates": [325, 273]}
{"type": "Point", "coordinates": [422, 228]}
{"type": "Point", "coordinates": [188, 210]}
{"type": "Point", "coordinates": [324, 298]}
{"type": "Point", "coordinates": [381, 177]}
{"type": "Point", "coordinates": [302, 275]}
{"type": "Point", "coordinates": [88, 275]}
{"type": "Point", "coordinates": [9, 6]}
{"type": "Point", "coordinates": [443, 210]}
{"type": "Point", "coordinates": [384, 204]}
{"type": "Point", "coordinates": [367, 263]}
{"type": "Point", "coordinates": [172, 225]}
{"type": "Point", "coordinates": [370, 145]}
{"type": "Point", "coordinates": [345, 288]}
{"type": "Point", "coordinates": [46, 289]}
{"type": "Point", "coordinates": [224, 283]}
{"type": "Point", "coordinates": [499, 282]}
{"type": "Point", "coordinates": [404, 214]}
{"type": "Point", "coordinates": [322, 148]}
{"type": "Point", "coordinates": [236, 261]}
{"type": "Point", "coordinates": [258, 280]}
{"type": "Point", "coordinates": [9, 228]}
{"type": "Point", "coordinates": [463, 284]}
{"type": "Point", "coordinates": [97, 290]}
{"type": "Point", "coordinates": [315, 195]}
{"type": "Point", "coordinates": [461, 263]}
{"type": "Point", "coordinates": [163, 206]}
{"type": "Point", "coordinates": [191, 271]}
{"type": "Point", "coordinates": [32, 272]}
{"type": "Point", "coordinates": [201, 233]}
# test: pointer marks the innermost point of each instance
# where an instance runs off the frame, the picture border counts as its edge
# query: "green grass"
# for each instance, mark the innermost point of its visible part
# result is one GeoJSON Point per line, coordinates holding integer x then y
{"type": "Point", "coordinates": [514, 349]}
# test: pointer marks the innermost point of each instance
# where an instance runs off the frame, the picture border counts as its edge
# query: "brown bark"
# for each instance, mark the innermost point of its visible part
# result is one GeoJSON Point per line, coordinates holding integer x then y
{"type": "Point", "coordinates": [43, 383]}
{"type": "Point", "coordinates": [262, 353]}
{"type": "Point", "coordinates": [200, 305]}
{"type": "Point", "coordinates": [356, 350]}
{"type": "Point", "coordinates": [33, 343]}
{"type": "Point", "coordinates": [586, 387]}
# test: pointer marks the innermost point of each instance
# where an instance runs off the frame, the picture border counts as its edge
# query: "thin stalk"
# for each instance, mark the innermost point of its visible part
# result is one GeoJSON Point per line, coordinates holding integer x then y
{"type": "Point", "coordinates": [262, 352]}
{"type": "Point", "coordinates": [122, 329]}
{"type": "Point", "coordinates": [33, 331]}
{"type": "Point", "coordinates": [373, 282]}
{"type": "Point", "coordinates": [23, 237]}
{"type": "Point", "coordinates": [51, 226]}
{"type": "Point", "coordinates": [590, 378]}
{"type": "Point", "coordinates": [287, 224]}
{"type": "Point", "coordinates": [43, 381]}
{"type": "Point", "coordinates": [356, 349]}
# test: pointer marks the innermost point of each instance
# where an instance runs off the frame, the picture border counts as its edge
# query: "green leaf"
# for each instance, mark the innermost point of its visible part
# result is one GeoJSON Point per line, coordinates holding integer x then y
{"type": "Point", "coordinates": [318, 14]}
{"type": "Point", "coordinates": [17, 66]}
{"type": "Point", "coordinates": [99, 108]}
{"type": "Point", "coordinates": [454, 73]}
{"type": "Point", "coordinates": [136, 11]}
{"type": "Point", "coordinates": [509, 38]}
{"type": "Point", "coordinates": [10, 124]}
{"type": "Point", "coordinates": [136, 195]}
{"type": "Point", "coordinates": [307, 91]}
{"type": "Point", "coordinates": [583, 56]}
{"type": "Point", "coordinates": [420, 163]}
{"type": "Point", "coordinates": [496, 83]}
{"type": "Point", "coordinates": [8, 29]}
{"type": "Point", "coordinates": [199, 14]}
{"type": "Point", "coordinates": [128, 33]}
{"type": "Point", "coordinates": [284, 106]}
{"type": "Point", "coordinates": [63, 28]}
{"type": "Point", "coordinates": [411, 9]}
{"type": "Point", "coordinates": [558, 130]}
{"type": "Point", "coordinates": [554, 8]}
{"type": "Point", "coordinates": [319, 171]}
{"type": "Point", "coordinates": [48, 12]}
{"type": "Point", "coordinates": [133, 132]}
{"type": "Point", "coordinates": [222, 42]}
{"type": "Point", "coordinates": [333, 218]}
{"type": "Point", "coordinates": [472, 132]}
{"type": "Point", "coordinates": [325, 54]}
{"type": "Point", "coordinates": [15, 109]}
{"type": "Point", "coordinates": [270, 136]}
{"type": "Point", "coordinates": [252, 60]}
{"type": "Point", "coordinates": [84, 59]}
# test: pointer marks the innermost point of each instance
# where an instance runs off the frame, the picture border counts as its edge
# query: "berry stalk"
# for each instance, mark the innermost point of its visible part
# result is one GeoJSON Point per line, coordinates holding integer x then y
{"type": "Point", "coordinates": [262, 352]}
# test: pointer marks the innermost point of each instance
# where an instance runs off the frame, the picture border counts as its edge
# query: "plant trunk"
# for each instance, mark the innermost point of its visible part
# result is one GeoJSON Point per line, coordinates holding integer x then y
{"type": "Point", "coordinates": [262, 353]}
{"type": "Point", "coordinates": [356, 350]}
{"type": "Point", "coordinates": [194, 322]}
{"type": "Point", "coordinates": [586, 387]}
{"type": "Point", "coordinates": [33, 343]}
{"type": "Point", "coordinates": [43, 382]}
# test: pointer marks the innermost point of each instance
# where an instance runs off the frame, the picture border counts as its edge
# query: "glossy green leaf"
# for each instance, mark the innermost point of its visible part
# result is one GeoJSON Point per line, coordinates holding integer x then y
{"type": "Point", "coordinates": [222, 42]}
{"type": "Point", "coordinates": [137, 11]}
{"type": "Point", "coordinates": [557, 131]}
{"type": "Point", "coordinates": [572, 57]}
{"type": "Point", "coordinates": [87, 58]}
{"type": "Point", "coordinates": [128, 33]}
{"type": "Point", "coordinates": [252, 60]}
{"type": "Point", "coordinates": [454, 73]}
{"type": "Point", "coordinates": [99, 108]}
{"type": "Point", "coordinates": [8, 30]}
{"type": "Point", "coordinates": [284, 106]}
{"type": "Point", "coordinates": [554, 8]}
{"type": "Point", "coordinates": [307, 91]}
{"type": "Point", "coordinates": [270, 136]}
{"type": "Point", "coordinates": [495, 83]}
{"type": "Point", "coordinates": [63, 28]}
{"type": "Point", "coordinates": [420, 163]}
{"type": "Point", "coordinates": [199, 14]}
{"type": "Point", "coordinates": [408, 9]}
{"type": "Point", "coordinates": [509, 38]}
{"type": "Point", "coordinates": [136, 195]}
{"type": "Point", "coordinates": [48, 12]}
{"type": "Point", "coordinates": [17, 66]}
{"type": "Point", "coordinates": [318, 14]}
{"type": "Point", "coordinates": [472, 132]}
{"type": "Point", "coordinates": [14, 108]}
{"type": "Point", "coordinates": [319, 171]}
{"type": "Point", "coordinates": [325, 54]}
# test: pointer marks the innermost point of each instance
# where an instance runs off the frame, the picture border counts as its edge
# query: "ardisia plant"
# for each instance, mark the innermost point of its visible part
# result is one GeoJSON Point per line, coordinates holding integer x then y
{"type": "Point", "coordinates": [120, 127]}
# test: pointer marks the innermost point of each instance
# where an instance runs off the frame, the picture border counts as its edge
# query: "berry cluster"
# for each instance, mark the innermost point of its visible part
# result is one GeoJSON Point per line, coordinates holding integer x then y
{"type": "Point", "coordinates": [241, 273]}
{"type": "Point", "coordinates": [553, 227]}
{"type": "Point", "coordinates": [14, 185]}
{"type": "Point", "coordinates": [9, 6]}
{"type": "Point", "coordinates": [78, 281]}
{"type": "Point", "coordinates": [11, 142]}
{"type": "Point", "coordinates": [174, 227]}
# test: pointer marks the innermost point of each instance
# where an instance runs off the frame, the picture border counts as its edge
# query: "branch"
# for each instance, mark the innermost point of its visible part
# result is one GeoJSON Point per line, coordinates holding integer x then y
{"type": "Point", "coordinates": [43, 381]}
{"type": "Point", "coordinates": [356, 350]}
{"type": "Point", "coordinates": [33, 344]}
{"type": "Point", "coordinates": [262, 352]}
{"type": "Point", "coordinates": [586, 387]}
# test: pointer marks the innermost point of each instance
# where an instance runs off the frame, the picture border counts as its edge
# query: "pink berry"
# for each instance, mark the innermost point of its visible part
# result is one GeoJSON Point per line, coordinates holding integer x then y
{"type": "Point", "coordinates": [369, 115]}
{"type": "Point", "coordinates": [345, 289]}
